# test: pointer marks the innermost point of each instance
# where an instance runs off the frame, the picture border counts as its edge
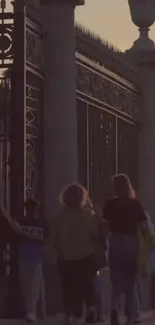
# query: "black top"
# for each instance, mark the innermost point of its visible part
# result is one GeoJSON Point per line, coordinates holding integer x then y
{"type": "Point", "coordinates": [31, 249]}
{"type": "Point", "coordinates": [36, 227]}
{"type": "Point", "coordinates": [124, 215]}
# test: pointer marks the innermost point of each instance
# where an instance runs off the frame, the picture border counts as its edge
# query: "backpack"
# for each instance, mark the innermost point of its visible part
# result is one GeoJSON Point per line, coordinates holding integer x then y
{"type": "Point", "coordinates": [146, 239]}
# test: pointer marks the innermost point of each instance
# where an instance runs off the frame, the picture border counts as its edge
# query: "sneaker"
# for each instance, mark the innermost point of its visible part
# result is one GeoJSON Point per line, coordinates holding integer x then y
{"type": "Point", "coordinates": [100, 319]}
{"type": "Point", "coordinates": [31, 318]}
{"type": "Point", "coordinates": [129, 321]}
{"type": "Point", "coordinates": [114, 318]}
{"type": "Point", "coordinates": [68, 320]}
{"type": "Point", "coordinates": [137, 321]}
{"type": "Point", "coordinates": [91, 317]}
{"type": "Point", "coordinates": [78, 321]}
{"type": "Point", "coordinates": [62, 319]}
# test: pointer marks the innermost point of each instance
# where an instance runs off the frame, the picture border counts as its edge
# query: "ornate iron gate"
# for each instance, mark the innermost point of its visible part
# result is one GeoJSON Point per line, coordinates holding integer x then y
{"type": "Point", "coordinates": [6, 61]}
{"type": "Point", "coordinates": [21, 95]}
{"type": "Point", "coordinates": [107, 110]}
{"type": "Point", "coordinates": [27, 93]}
{"type": "Point", "coordinates": [21, 90]}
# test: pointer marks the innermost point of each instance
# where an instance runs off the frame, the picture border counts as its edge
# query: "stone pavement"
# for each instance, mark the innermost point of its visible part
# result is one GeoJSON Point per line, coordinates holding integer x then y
{"type": "Point", "coordinates": [148, 318]}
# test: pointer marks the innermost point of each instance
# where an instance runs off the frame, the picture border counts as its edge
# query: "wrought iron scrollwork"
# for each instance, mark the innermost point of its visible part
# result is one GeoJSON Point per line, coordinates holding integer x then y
{"type": "Point", "coordinates": [35, 49]}
{"type": "Point", "coordinates": [128, 150]}
{"type": "Point", "coordinates": [97, 86]}
{"type": "Point", "coordinates": [111, 125]}
{"type": "Point", "coordinates": [32, 111]}
{"type": "Point", "coordinates": [5, 89]}
{"type": "Point", "coordinates": [31, 164]}
{"type": "Point", "coordinates": [82, 131]}
{"type": "Point", "coordinates": [34, 92]}
{"type": "Point", "coordinates": [6, 33]}
{"type": "Point", "coordinates": [102, 153]}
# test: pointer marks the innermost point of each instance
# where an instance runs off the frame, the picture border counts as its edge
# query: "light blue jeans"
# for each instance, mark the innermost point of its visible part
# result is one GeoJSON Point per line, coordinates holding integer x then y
{"type": "Point", "coordinates": [137, 299]}
{"type": "Point", "coordinates": [99, 294]}
{"type": "Point", "coordinates": [123, 254]}
{"type": "Point", "coordinates": [31, 281]}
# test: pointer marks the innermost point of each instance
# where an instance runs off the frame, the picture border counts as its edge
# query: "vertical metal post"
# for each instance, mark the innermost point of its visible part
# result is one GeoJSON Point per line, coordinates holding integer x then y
{"type": "Point", "coordinates": [116, 143]}
{"type": "Point", "coordinates": [18, 98]}
{"type": "Point", "coordinates": [5, 145]}
{"type": "Point", "coordinates": [17, 144]}
{"type": "Point", "coordinates": [88, 160]}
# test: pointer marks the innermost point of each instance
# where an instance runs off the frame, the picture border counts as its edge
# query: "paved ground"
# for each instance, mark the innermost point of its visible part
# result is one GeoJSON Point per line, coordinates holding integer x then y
{"type": "Point", "coordinates": [147, 318]}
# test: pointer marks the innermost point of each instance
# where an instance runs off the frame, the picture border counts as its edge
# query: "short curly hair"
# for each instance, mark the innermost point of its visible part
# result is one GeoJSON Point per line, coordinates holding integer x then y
{"type": "Point", "coordinates": [74, 196]}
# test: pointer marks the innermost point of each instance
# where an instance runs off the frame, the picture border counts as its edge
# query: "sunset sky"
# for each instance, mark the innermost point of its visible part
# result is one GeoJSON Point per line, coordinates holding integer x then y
{"type": "Point", "coordinates": [111, 20]}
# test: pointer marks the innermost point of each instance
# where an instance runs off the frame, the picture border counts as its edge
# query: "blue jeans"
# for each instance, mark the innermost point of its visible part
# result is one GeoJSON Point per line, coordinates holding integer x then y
{"type": "Point", "coordinates": [98, 284]}
{"type": "Point", "coordinates": [137, 299]}
{"type": "Point", "coordinates": [123, 254]}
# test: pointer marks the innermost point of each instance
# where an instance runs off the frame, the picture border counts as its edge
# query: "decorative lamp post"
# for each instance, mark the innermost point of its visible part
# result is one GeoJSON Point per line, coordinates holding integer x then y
{"type": "Point", "coordinates": [143, 16]}
{"type": "Point", "coordinates": [143, 56]}
{"type": "Point", "coordinates": [80, 2]}
{"type": "Point", "coordinates": [75, 2]}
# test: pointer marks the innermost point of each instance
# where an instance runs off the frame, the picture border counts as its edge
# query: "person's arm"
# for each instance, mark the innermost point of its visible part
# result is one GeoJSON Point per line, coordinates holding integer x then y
{"type": "Point", "coordinates": [12, 223]}
{"type": "Point", "coordinates": [53, 240]}
{"type": "Point", "coordinates": [141, 215]}
{"type": "Point", "coordinates": [106, 216]}
{"type": "Point", "coordinates": [142, 221]}
{"type": "Point", "coordinates": [150, 223]}
{"type": "Point", "coordinates": [4, 213]}
{"type": "Point", "coordinates": [148, 236]}
{"type": "Point", "coordinates": [94, 228]}
{"type": "Point", "coordinates": [46, 232]}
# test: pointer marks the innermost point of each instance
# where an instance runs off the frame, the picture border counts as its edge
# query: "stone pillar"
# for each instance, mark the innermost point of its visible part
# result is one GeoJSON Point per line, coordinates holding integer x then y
{"type": "Point", "coordinates": [147, 136]}
{"type": "Point", "coordinates": [143, 54]}
{"type": "Point", "coordinates": [146, 152]}
{"type": "Point", "coordinates": [60, 123]}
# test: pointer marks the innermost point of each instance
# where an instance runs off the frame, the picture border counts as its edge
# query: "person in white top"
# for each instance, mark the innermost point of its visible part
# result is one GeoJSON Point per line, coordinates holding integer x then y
{"type": "Point", "coordinates": [138, 285]}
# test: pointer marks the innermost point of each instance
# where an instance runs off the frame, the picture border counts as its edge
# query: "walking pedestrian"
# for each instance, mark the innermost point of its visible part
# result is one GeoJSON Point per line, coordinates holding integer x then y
{"type": "Point", "coordinates": [10, 234]}
{"type": "Point", "coordinates": [73, 239]}
{"type": "Point", "coordinates": [152, 281]}
{"type": "Point", "coordinates": [124, 215]}
{"type": "Point", "coordinates": [137, 298]}
{"type": "Point", "coordinates": [30, 255]}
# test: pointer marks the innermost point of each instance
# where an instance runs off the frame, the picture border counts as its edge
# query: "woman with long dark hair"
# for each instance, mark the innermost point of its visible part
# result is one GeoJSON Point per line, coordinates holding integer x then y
{"type": "Point", "coordinates": [124, 215]}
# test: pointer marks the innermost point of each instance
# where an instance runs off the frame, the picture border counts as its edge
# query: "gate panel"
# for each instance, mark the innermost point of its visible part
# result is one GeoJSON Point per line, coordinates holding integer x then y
{"type": "Point", "coordinates": [128, 150]}
{"type": "Point", "coordinates": [102, 153]}
{"type": "Point", "coordinates": [34, 102]}
{"type": "Point", "coordinates": [18, 76]}
{"type": "Point", "coordinates": [113, 105]}
{"type": "Point", "coordinates": [27, 92]}
{"type": "Point", "coordinates": [6, 60]}
{"type": "Point", "coordinates": [83, 145]}
{"type": "Point", "coordinates": [21, 91]}
{"type": "Point", "coordinates": [5, 84]}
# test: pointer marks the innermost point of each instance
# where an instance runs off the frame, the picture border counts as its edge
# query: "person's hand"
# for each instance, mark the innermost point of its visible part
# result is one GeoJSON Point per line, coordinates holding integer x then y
{"type": "Point", "coordinates": [53, 259]}
{"type": "Point", "coordinates": [16, 227]}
